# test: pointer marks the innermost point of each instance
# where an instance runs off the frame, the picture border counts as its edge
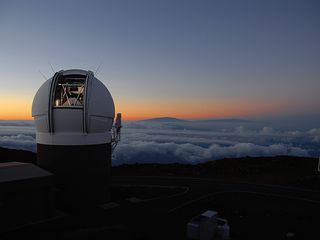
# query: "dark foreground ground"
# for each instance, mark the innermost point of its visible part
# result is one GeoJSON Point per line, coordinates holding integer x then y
{"type": "Point", "coordinates": [262, 198]}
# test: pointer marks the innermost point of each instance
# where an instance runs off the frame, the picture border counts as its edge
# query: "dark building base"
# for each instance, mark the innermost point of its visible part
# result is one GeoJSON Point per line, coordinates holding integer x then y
{"type": "Point", "coordinates": [82, 173]}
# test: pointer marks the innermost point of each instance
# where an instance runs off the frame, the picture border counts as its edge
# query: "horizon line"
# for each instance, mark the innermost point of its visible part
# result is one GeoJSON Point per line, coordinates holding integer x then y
{"type": "Point", "coordinates": [156, 117]}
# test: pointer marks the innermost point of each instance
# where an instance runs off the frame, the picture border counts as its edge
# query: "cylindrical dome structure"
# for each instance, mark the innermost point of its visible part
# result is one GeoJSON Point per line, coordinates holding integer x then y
{"type": "Point", "coordinates": [73, 113]}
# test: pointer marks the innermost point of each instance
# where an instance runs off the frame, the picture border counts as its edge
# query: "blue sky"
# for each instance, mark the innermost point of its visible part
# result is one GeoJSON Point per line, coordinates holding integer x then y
{"type": "Point", "coordinates": [189, 59]}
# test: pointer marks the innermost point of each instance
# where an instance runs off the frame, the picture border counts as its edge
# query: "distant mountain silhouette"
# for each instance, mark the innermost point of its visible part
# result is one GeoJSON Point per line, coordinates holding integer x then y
{"type": "Point", "coordinates": [164, 119]}
{"type": "Point", "coordinates": [177, 120]}
{"type": "Point", "coordinates": [226, 120]}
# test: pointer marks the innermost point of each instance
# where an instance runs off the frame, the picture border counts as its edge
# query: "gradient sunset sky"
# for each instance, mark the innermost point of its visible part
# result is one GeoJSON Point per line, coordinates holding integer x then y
{"type": "Point", "coordinates": [185, 59]}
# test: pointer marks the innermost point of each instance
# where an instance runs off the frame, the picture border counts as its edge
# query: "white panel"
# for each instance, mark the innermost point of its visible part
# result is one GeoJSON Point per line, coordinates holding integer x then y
{"type": "Point", "coordinates": [69, 139]}
{"type": "Point", "coordinates": [99, 124]}
{"type": "Point", "coordinates": [68, 120]}
{"type": "Point", "coordinates": [74, 71]}
{"type": "Point", "coordinates": [100, 102]}
{"type": "Point", "coordinates": [41, 99]}
{"type": "Point", "coordinates": [41, 122]}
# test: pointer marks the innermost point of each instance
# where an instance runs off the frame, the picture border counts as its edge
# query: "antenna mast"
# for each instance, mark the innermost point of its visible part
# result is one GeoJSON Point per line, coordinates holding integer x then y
{"type": "Point", "coordinates": [98, 69]}
{"type": "Point", "coordinates": [53, 71]}
{"type": "Point", "coordinates": [44, 76]}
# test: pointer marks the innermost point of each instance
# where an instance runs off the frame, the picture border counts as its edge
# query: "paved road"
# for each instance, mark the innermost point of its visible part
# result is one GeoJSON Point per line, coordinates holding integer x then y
{"type": "Point", "coordinates": [201, 187]}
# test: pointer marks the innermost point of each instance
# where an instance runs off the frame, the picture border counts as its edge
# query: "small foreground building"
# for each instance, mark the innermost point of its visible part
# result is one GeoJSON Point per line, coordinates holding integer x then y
{"type": "Point", "coordinates": [26, 195]}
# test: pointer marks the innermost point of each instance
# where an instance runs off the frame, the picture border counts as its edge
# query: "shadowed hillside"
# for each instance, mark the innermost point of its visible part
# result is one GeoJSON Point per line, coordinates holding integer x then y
{"type": "Point", "coordinates": [14, 155]}
{"type": "Point", "coordinates": [283, 170]}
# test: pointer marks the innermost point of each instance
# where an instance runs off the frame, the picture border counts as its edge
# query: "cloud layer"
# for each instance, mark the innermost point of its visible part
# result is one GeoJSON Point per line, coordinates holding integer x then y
{"type": "Point", "coordinates": [19, 141]}
{"type": "Point", "coordinates": [143, 142]}
{"type": "Point", "coordinates": [150, 152]}
{"type": "Point", "coordinates": [159, 142]}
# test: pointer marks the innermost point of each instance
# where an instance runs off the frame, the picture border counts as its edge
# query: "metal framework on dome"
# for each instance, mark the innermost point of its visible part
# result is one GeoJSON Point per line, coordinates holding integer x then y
{"type": "Point", "coordinates": [116, 132]}
{"type": "Point", "coordinates": [69, 92]}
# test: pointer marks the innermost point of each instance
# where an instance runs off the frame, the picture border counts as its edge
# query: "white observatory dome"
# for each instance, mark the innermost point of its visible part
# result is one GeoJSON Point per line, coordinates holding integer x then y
{"type": "Point", "coordinates": [73, 108]}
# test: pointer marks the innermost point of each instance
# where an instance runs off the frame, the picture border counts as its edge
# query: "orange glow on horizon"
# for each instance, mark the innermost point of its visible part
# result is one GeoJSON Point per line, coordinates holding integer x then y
{"type": "Point", "coordinates": [132, 110]}
{"type": "Point", "coordinates": [15, 108]}
{"type": "Point", "coordinates": [136, 110]}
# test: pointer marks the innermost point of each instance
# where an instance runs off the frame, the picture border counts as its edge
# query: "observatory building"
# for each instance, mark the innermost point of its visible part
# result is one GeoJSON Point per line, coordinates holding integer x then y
{"type": "Point", "coordinates": [74, 114]}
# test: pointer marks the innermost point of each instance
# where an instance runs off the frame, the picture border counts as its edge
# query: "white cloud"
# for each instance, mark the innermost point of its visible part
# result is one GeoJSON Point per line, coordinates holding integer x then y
{"type": "Point", "coordinates": [19, 141]}
{"type": "Point", "coordinates": [142, 152]}
{"type": "Point", "coordinates": [315, 133]}
{"type": "Point", "coordinates": [267, 131]}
